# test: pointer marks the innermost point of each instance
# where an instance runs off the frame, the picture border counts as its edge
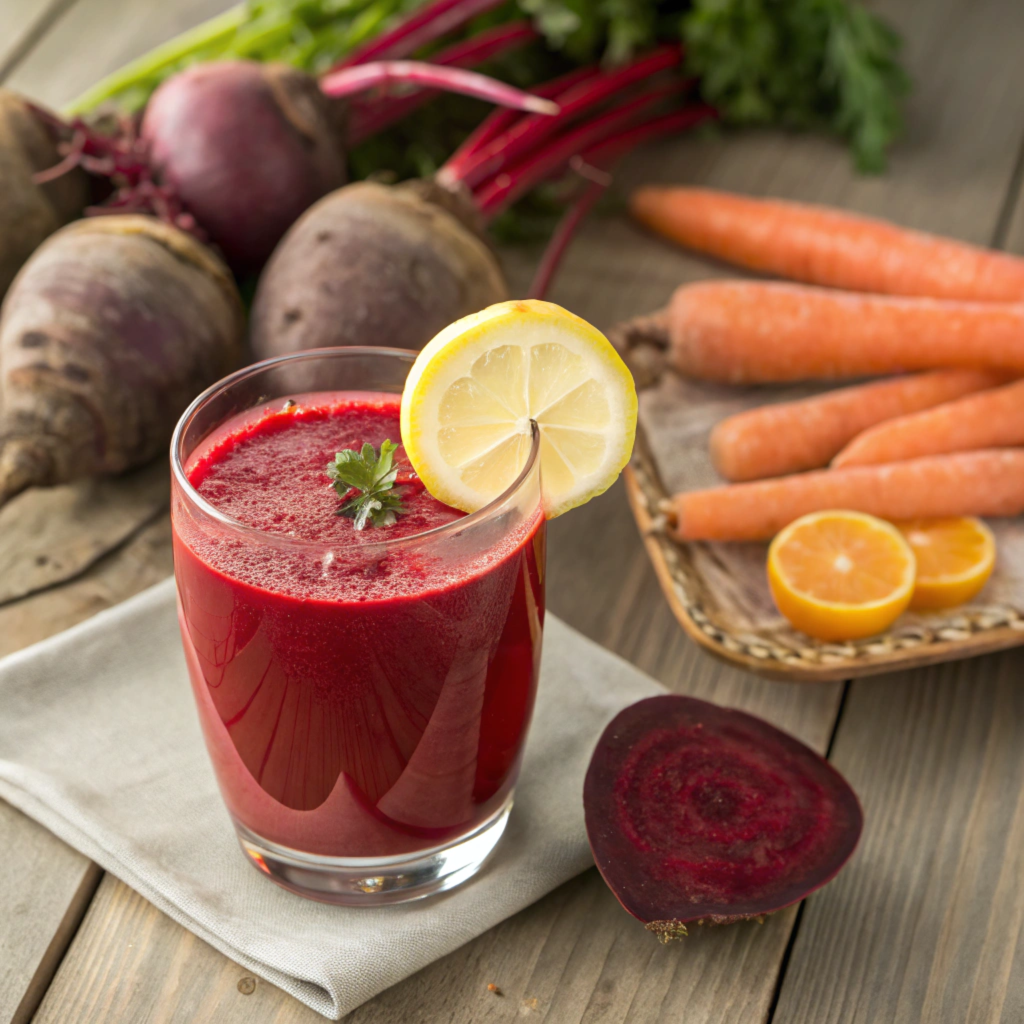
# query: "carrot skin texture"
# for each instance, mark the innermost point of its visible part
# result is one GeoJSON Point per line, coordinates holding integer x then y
{"type": "Point", "coordinates": [825, 246]}
{"type": "Point", "coordinates": [983, 483]}
{"type": "Point", "coordinates": [789, 437]}
{"type": "Point", "coordinates": [990, 419]}
{"type": "Point", "coordinates": [751, 332]}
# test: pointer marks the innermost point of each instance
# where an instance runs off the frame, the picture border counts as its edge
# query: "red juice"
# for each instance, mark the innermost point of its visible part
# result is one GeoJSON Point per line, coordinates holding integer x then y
{"type": "Point", "coordinates": [359, 697]}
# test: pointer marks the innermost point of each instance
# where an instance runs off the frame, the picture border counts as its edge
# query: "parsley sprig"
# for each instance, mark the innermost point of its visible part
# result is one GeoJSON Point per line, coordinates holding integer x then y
{"type": "Point", "coordinates": [373, 476]}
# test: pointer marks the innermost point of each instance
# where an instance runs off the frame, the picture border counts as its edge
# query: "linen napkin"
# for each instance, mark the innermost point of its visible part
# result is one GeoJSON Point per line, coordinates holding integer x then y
{"type": "Point", "coordinates": [99, 741]}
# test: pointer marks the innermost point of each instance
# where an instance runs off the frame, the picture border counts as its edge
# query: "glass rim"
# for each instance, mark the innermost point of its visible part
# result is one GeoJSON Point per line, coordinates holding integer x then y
{"type": "Point", "coordinates": [222, 385]}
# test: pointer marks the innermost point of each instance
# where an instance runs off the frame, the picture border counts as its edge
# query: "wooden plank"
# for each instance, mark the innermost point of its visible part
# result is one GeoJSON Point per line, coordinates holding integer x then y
{"type": "Point", "coordinates": [40, 920]}
{"type": "Point", "coordinates": [51, 534]}
{"type": "Point", "coordinates": [45, 886]}
{"type": "Point", "coordinates": [927, 924]}
{"type": "Point", "coordinates": [96, 37]}
{"type": "Point", "coordinates": [23, 23]}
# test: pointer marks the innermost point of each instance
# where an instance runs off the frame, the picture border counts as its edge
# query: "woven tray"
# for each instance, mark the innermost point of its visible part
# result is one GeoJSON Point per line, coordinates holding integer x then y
{"type": "Point", "coordinates": [719, 592]}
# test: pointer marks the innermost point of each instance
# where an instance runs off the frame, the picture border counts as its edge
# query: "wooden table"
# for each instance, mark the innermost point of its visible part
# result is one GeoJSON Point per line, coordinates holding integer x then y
{"type": "Point", "coordinates": [926, 923]}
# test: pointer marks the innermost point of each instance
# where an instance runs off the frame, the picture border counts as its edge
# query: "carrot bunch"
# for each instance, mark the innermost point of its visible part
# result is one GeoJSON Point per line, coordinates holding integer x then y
{"type": "Point", "coordinates": [871, 298]}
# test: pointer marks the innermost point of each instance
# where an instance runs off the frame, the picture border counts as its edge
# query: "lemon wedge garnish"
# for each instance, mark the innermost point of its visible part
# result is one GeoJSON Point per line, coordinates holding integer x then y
{"type": "Point", "coordinates": [471, 395]}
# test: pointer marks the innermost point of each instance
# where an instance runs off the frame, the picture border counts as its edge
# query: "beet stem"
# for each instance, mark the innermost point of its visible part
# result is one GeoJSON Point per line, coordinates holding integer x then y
{"type": "Point", "coordinates": [526, 135]}
{"type": "Point", "coordinates": [499, 192]}
{"type": "Point", "coordinates": [561, 238]}
{"type": "Point", "coordinates": [606, 152]}
{"type": "Point", "coordinates": [374, 116]}
{"type": "Point", "coordinates": [405, 72]}
{"type": "Point", "coordinates": [616, 146]}
{"type": "Point", "coordinates": [426, 25]}
{"type": "Point", "coordinates": [498, 121]}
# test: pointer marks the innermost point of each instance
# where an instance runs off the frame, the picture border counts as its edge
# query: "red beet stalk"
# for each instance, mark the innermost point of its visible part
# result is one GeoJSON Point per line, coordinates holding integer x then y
{"type": "Point", "coordinates": [430, 23]}
{"type": "Point", "coordinates": [563, 234]}
{"type": "Point", "coordinates": [363, 77]}
{"type": "Point", "coordinates": [599, 156]}
{"type": "Point", "coordinates": [376, 115]}
{"type": "Point", "coordinates": [499, 121]}
{"type": "Point", "coordinates": [617, 145]}
{"type": "Point", "coordinates": [525, 135]}
{"type": "Point", "coordinates": [499, 192]}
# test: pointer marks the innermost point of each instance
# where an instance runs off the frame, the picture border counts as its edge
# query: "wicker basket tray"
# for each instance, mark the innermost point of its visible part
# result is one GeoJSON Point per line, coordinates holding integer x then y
{"type": "Point", "coordinates": [719, 592]}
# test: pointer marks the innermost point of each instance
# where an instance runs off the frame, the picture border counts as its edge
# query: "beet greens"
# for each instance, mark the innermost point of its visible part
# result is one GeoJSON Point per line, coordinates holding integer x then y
{"type": "Point", "coordinates": [827, 65]}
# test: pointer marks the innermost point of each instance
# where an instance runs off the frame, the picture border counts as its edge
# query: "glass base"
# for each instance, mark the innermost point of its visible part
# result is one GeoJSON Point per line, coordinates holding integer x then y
{"type": "Point", "coordinates": [375, 881]}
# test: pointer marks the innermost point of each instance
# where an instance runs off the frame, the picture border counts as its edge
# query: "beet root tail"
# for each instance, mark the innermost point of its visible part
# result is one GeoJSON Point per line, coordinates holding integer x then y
{"type": "Point", "coordinates": [23, 464]}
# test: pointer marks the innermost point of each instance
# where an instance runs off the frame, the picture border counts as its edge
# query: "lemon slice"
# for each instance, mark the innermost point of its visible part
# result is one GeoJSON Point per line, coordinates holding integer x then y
{"type": "Point", "coordinates": [472, 392]}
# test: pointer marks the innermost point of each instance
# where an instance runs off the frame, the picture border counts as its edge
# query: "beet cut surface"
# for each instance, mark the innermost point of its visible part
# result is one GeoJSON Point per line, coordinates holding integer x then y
{"type": "Point", "coordinates": [697, 812]}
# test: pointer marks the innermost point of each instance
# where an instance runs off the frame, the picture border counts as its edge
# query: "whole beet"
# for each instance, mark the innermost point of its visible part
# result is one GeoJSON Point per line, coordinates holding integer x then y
{"type": "Point", "coordinates": [30, 212]}
{"type": "Point", "coordinates": [247, 147]}
{"type": "Point", "coordinates": [107, 333]}
{"type": "Point", "coordinates": [374, 265]}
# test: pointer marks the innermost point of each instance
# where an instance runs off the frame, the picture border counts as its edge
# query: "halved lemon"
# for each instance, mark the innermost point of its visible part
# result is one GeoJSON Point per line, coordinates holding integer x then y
{"type": "Point", "coordinates": [841, 575]}
{"type": "Point", "coordinates": [955, 558]}
{"type": "Point", "coordinates": [472, 392]}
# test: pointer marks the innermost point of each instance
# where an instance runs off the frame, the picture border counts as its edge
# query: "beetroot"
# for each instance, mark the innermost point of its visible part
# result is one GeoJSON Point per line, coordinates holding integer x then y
{"type": "Point", "coordinates": [701, 813]}
{"type": "Point", "coordinates": [373, 265]}
{"type": "Point", "coordinates": [247, 147]}
{"type": "Point", "coordinates": [29, 211]}
{"type": "Point", "coordinates": [110, 329]}
{"type": "Point", "coordinates": [369, 265]}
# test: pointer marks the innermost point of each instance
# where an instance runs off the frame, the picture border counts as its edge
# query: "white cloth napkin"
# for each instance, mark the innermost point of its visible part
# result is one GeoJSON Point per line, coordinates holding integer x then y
{"type": "Point", "coordinates": [99, 741]}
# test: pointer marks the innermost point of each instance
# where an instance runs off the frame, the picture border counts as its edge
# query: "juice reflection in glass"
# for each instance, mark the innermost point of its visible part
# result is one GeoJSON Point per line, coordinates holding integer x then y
{"type": "Point", "coordinates": [364, 695]}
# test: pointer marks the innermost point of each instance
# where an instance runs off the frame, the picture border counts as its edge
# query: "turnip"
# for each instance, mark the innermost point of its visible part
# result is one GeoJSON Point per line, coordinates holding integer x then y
{"type": "Point", "coordinates": [372, 265]}
{"type": "Point", "coordinates": [29, 212]}
{"type": "Point", "coordinates": [111, 328]}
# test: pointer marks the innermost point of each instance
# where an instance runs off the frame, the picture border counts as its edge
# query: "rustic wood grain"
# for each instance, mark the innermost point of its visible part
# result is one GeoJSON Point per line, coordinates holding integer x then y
{"type": "Point", "coordinates": [40, 920]}
{"type": "Point", "coordinates": [927, 924]}
{"type": "Point", "coordinates": [23, 23]}
{"type": "Point", "coordinates": [143, 561]}
{"type": "Point", "coordinates": [45, 886]}
{"type": "Point", "coordinates": [51, 534]}
{"type": "Point", "coordinates": [96, 37]}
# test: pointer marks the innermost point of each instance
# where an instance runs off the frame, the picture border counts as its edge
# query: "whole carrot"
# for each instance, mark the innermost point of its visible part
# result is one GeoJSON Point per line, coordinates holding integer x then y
{"type": "Point", "coordinates": [991, 419]}
{"type": "Point", "coordinates": [984, 483]}
{"type": "Point", "coordinates": [756, 332]}
{"type": "Point", "coordinates": [792, 436]}
{"type": "Point", "coordinates": [830, 247]}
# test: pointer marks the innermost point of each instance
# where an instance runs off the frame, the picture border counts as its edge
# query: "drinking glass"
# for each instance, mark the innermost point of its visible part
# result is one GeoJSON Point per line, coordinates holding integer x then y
{"type": "Point", "coordinates": [366, 742]}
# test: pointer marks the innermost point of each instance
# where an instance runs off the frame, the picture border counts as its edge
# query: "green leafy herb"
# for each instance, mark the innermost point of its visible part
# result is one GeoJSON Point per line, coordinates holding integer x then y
{"type": "Point", "coordinates": [822, 64]}
{"type": "Point", "coordinates": [373, 476]}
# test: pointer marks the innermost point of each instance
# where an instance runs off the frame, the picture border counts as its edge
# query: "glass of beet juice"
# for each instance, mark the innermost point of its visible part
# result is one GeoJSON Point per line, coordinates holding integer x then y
{"type": "Point", "coordinates": [364, 693]}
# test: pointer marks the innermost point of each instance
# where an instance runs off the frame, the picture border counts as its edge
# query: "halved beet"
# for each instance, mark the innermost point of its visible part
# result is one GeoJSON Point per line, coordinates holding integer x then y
{"type": "Point", "coordinates": [697, 812]}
